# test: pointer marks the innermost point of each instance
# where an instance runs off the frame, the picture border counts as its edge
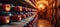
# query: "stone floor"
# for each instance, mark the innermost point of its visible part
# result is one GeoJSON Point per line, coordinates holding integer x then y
{"type": "Point", "coordinates": [44, 23]}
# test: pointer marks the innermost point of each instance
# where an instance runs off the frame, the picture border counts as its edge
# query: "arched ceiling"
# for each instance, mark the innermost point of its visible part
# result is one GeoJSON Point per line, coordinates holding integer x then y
{"type": "Point", "coordinates": [25, 3]}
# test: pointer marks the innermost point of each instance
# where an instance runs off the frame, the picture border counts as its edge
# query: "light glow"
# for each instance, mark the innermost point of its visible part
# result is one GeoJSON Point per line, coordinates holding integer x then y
{"type": "Point", "coordinates": [7, 7]}
{"type": "Point", "coordinates": [7, 19]}
{"type": "Point", "coordinates": [41, 6]}
{"type": "Point", "coordinates": [20, 8]}
{"type": "Point", "coordinates": [41, 26]}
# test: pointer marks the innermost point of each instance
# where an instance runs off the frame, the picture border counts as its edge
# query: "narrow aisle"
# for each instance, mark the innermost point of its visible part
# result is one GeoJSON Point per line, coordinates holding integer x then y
{"type": "Point", "coordinates": [43, 23]}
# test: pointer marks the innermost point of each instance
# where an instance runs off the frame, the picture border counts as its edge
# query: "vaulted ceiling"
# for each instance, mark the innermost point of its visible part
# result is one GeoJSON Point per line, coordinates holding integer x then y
{"type": "Point", "coordinates": [25, 3]}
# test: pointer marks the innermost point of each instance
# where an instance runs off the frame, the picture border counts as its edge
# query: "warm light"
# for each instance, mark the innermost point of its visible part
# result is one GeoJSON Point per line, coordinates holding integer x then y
{"type": "Point", "coordinates": [7, 19]}
{"type": "Point", "coordinates": [7, 7]}
{"type": "Point", "coordinates": [41, 6]}
{"type": "Point", "coordinates": [43, 0]}
{"type": "Point", "coordinates": [41, 26]}
{"type": "Point", "coordinates": [20, 8]}
{"type": "Point", "coordinates": [53, 4]}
